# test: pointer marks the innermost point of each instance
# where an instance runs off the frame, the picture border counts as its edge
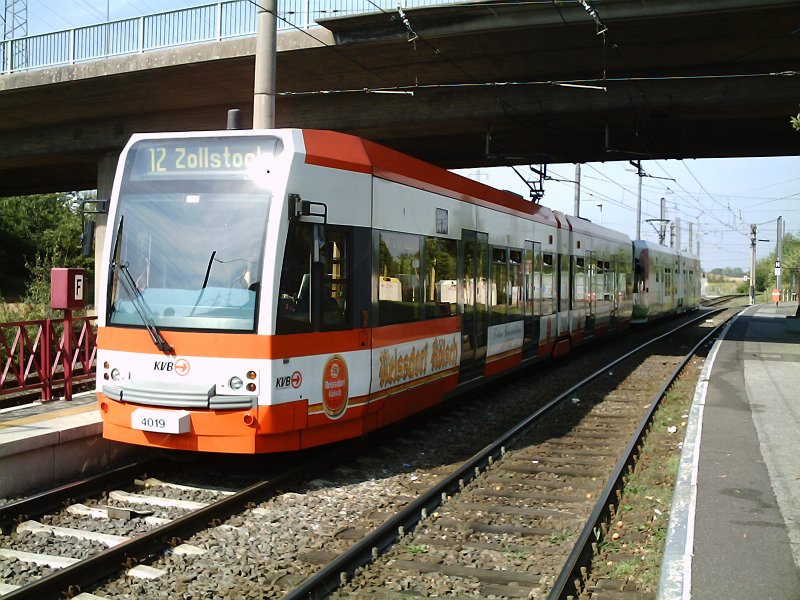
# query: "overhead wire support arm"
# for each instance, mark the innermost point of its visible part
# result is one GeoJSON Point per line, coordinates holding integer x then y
{"type": "Point", "coordinates": [601, 28]}
{"type": "Point", "coordinates": [536, 187]}
{"type": "Point", "coordinates": [412, 35]}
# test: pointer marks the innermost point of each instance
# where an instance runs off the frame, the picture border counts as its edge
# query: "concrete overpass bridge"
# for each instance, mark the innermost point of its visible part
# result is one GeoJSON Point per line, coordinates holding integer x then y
{"type": "Point", "coordinates": [459, 84]}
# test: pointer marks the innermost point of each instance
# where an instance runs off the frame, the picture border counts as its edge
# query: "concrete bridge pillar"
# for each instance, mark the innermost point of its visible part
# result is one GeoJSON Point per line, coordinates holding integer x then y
{"type": "Point", "coordinates": [106, 167]}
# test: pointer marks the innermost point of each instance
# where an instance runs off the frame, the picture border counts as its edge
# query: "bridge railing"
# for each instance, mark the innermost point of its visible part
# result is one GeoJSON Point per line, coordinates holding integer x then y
{"type": "Point", "coordinates": [209, 22]}
{"type": "Point", "coordinates": [46, 355]}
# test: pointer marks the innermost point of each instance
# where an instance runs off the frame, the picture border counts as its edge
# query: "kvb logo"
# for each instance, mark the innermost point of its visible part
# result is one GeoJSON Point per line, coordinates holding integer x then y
{"type": "Point", "coordinates": [295, 380]}
{"type": "Point", "coordinates": [180, 366]}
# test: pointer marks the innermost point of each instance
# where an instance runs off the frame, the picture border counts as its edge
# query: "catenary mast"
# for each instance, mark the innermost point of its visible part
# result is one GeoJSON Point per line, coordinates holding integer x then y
{"type": "Point", "coordinates": [15, 25]}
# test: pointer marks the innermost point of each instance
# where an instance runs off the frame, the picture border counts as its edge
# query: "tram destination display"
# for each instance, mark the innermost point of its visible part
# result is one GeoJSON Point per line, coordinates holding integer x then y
{"type": "Point", "coordinates": [200, 157]}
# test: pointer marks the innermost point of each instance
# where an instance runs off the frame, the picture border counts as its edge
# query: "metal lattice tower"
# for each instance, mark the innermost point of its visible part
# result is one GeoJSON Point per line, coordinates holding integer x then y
{"type": "Point", "coordinates": [15, 19]}
{"type": "Point", "coordinates": [14, 26]}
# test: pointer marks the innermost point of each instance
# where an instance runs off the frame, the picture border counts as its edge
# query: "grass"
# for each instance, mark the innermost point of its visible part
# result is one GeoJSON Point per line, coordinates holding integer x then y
{"type": "Point", "coordinates": [554, 539]}
{"type": "Point", "coordinates": [633, 549]}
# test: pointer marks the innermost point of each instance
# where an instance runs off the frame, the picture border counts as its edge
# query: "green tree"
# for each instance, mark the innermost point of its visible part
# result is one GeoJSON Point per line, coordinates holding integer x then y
{"type": "Point", "coordinates": [765, 268]}
{"type": "Point", "coordinates": [38, 233]}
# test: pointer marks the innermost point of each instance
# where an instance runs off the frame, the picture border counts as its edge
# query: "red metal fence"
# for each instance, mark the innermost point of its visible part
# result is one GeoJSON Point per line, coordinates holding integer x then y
{"type": "Point", "coordinates": [37, 355]}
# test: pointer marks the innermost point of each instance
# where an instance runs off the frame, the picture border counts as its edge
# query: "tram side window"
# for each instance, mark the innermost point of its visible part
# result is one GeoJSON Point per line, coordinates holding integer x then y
{"type": "Point", "coordinates": [624, 271]}
{"type": "Point", "coordinates": [602, 280]}
{"type": "Point", "coordinates": [335, 308]}
{"type": "Point", "coordinates": [598, 281]}
{"type": "Point", "coordinates": [295, 307]}
{"type": "Point", "coordinates": [515, 285]}
{"type": "Point", "coordinates": [564, 287]}
{"type": "Point", "coordinates": [399, 291]}
{"type": "Point", "coordinates": [536, 283]}
{"type": "Point", "coordinates": [531, 280]}
{"type": "Point", "coordinates": [440, 260]}
{"type": "Point", "coordinates": [294, 295]}
{"type": "Point", "coordinates": [638, 276]}
{"type": "Point", "coordinates": [548, 284]}
{"type": "Point", "coordinates": [579, 283]}
{"type": "Point", "coordinates": [499, 299]}
{"type": "Point", "coordinates": [675, 281]}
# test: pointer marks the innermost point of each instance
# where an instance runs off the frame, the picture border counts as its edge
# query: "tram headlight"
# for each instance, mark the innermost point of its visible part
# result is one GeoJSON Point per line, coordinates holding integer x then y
{"type": "Point", "coordinates": [115, 375]}
{"type": "Point", "coordinates": [235, 383]}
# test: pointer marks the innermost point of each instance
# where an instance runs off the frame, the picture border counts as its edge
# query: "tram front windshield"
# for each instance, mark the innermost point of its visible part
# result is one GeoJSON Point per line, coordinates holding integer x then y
{"type": "Point", "coordinates": [189, 234]}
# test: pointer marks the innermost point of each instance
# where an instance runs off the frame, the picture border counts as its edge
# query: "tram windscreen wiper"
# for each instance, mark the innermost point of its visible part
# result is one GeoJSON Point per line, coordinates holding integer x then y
{"type": "Point", "coordinates": [137, 299]}
{"type": "Point", "coordinates": [205, 283]}
{"type": "Point", "coordinates": [141, 306]}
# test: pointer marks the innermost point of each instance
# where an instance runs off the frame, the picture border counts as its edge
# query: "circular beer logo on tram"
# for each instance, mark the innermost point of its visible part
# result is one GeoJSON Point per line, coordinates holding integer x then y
{"type": "Point", "coordinates": [334, 387]}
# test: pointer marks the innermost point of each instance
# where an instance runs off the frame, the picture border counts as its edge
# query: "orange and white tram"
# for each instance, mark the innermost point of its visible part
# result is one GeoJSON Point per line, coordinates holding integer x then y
{"type": "Point", "coordinates": [274, 290]}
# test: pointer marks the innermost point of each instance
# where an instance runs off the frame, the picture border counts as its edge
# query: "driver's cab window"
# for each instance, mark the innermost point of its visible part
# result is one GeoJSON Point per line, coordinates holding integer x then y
{"type": "Point", "coordinates": [335, 307]}
{"type": "Point", "coordinates": [314, 297]}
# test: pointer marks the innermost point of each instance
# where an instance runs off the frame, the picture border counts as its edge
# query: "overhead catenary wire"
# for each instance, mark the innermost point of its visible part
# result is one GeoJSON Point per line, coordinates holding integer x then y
{"type": "Point", "coordinates": [676, 205]}
{"type": "Point", "coordinates": [587, 84]}
{"type": "Point", "coordinates": [321, 42]}
{"type": "Point", "coordinates": [57, 14]}
{"type": "Point", "coordinates": [590, 85]}
{"type": "Point", "coordinates": [687, 198]}
{"type": "Point", "coordinates": [604, 197]}
{"type": "Point", "coordinates": [375, 90]}
{"type": "Point", "coordinates": [414, 37]}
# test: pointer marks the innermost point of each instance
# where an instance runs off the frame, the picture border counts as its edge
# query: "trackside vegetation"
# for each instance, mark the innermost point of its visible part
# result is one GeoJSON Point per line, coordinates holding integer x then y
{"type": "Point", "coordinates": [37, 233]}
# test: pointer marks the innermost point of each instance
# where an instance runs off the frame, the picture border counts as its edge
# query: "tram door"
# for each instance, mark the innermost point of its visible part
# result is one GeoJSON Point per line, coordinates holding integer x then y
{"type": "Point", "coordinates": [532, 300]}
{"type": "Point", "coordinates": [617, 288]}
{"type": "Point", "coordinates": [591, 292]}
{"type": "Point", "coordinates": [474, 283]}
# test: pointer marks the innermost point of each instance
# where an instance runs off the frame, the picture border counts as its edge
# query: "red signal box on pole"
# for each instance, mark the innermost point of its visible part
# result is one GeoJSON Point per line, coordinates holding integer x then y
{"type": "Point", "coordinates": [67, 288]}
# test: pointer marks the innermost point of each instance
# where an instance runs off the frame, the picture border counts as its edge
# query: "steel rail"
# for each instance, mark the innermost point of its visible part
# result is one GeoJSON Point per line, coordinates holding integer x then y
{"type": "Point", "coordinates": [582, 551]}
{"type": "Point", "coordinates": [70, 580]}
{"type": "Point", "coordinates": [709, 302]}
{"type": "Point", "coordinates": [53, 499]}
{"type": "Point", "coordinates": [332, 575]}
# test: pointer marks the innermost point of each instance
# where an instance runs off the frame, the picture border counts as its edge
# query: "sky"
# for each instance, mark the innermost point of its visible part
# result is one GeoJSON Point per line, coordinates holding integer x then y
{"type": "Point", "coordinates": [722, 197]}
{"type": "Point", "coordinates": [45, 16]}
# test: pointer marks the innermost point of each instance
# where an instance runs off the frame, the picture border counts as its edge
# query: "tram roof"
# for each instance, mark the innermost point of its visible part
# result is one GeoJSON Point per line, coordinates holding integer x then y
{"type": "Point", "coordinates": [343, 151]}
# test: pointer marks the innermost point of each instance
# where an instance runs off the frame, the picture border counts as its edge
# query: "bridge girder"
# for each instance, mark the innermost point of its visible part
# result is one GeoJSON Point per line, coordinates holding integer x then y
{"type": "Point", "coordinates": [681, 79]}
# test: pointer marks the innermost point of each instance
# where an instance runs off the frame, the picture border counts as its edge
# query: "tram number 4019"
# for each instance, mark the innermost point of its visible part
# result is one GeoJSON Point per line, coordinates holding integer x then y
{"type": "Point", "coordinates": [151, 423]}
{"type": "Point", "coordinates": [162, 421]}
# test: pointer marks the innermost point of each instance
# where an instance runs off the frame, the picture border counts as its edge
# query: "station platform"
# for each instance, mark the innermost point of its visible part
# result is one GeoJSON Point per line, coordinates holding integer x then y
{"type": "Point", "coordinates": [734, 530]}
{"type": "Point", "coordinates": [42, 444]}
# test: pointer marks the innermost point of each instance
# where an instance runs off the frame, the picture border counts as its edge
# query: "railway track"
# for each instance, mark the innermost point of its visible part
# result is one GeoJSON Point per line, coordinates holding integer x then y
{"type": "Point", "coordinates": [272, 539]}
{"type": "Point", "coordinates": [521, 521]}
{"type": "Point", "coordinates": [720, 300]}
{"type": "Point", "coordinates": [78, 543]}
